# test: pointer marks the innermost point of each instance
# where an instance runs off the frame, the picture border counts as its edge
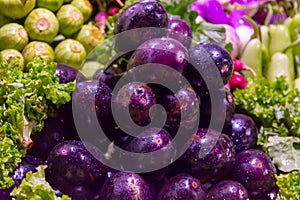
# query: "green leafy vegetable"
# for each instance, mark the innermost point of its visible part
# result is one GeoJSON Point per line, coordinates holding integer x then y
{"type": "Point", "coordinates": [274, 104]}
{"type": "Point", "coordinates": [23, 108]}
{"type": "Point", "coordinates": [35, 187]}
{"type": "Point", "coordinates": [289, 186]}
{"type": "Point", "coordinates": [276, 107]}
{"type": "Point", "coordinates": [285, 152]}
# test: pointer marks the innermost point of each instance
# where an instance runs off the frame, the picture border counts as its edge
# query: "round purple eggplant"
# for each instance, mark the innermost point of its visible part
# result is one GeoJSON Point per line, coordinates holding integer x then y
{"type": "Point", "coordinates": [67, 74]}
{"type": "Point", "coordinates": [165, 51]}
{"type": "Point", "coordinates": [214, 165]}
{"type": "Point", "coordinates": [149, 141]}
{"type": "Point", "coordinates": [208, 59]}
{"type": "Point", "coordinates": [147, 14]}
{"type": "Point", "coordinates": [74, 171]}
{"type": "Point", "coordinates": [138, 97]}
{"type": "Point", "coordinates": [182, 187]}
{"type": "Point", "coordinates": [229, 190]}
{"type": "Point", "coordinates": [125, 186]}
{"type": "Point", "coordinates": [184, 101]}
{"type": "Point", "coordinates": [255, 170]}
{"type": "Point", "coordinates": [224, 105]}
{"type": "Point", "coordinates": [244, 132]}
{"type": "Point", "coordinates": [180, 30]}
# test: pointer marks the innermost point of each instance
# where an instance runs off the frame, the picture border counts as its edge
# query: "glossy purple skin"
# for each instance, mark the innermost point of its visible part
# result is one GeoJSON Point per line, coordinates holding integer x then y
{"type": "Point", "coordinates": [109, 76]}
{"type": "Point", "coordinates": [149, 141]}
{"type": "Point", "coordinates": [141, 100]}
{"type": "Point", "coordinates": [215, 165]}
{"type": "Point", "coordinates": [73, 170]}
{"type": "Point", "coordinates": [180, 30]}
{"type": "Point", "coordinates": [187, 102]}
{"type": "Point", "coordinates": [255, 170]}
{"type": "Point", "coordinates": [53, 133]}
{"type": "Point", "coordinates": [226, 105]}
{"type": "Point", "coordinates": [219, 55]}
{"type": "Point", "coordinates": [146, 13]}
{"type": "Point", "coordinates": [244, 132]}
{"type": "Point", "coordinates": [125, 186]}
{"type": "Point", "coordinates": [229, 190]}
{"type": "Point", "coordinates": [93, 91]}
{"type": "Point", "coordinates": [182, 187]}
{"type": "Point", "coordinates": [68, 74]}
{"type": "Point", "coordinates": [152, 140]}
{"type": "Point", "coordinates": [165, 51]}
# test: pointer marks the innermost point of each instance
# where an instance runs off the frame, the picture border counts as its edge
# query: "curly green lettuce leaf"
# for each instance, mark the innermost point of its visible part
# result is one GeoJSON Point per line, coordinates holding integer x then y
{"type": "Point", "coordinates": [284, 151]}
{"type": "Point", "coordinates": [275, 105]}
{"type": "Point", "coordinates": [289, 186]}
{"type": "Point", "coordinates": [35, 187]}
{"type": "Point", "coordinates": [23, 108]}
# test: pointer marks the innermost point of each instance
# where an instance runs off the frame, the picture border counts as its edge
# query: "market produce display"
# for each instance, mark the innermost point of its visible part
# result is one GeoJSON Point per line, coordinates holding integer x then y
{"type": "Point", "coordinates": [225, 75]}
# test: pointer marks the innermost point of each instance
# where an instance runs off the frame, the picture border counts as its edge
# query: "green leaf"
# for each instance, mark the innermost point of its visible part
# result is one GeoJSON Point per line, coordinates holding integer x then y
{"type": "Point", "coordinates": [23, 108]}
{"type": "Point", "coordinates": [289, 186]}
{"type": "Point", "coordinates": [284, 152]}
{"type": "Point", "coordinates": [35, 187]}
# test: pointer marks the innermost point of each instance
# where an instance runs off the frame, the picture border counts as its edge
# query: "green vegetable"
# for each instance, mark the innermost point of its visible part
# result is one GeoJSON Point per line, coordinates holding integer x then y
{"type": "Point", "coordinates": [70, 19]}
{"type": "Point", "coordinates": [252, 56]}
{"type": "Point", "coordinates": [35, 187]}
{"type": "Point", "coordinates": [37, 49]}
{"type": "Point", "coordinates": [297, 83]}
{"type": "Point", "coordinates": [16, 9]}
{"type": "Point", "coordinates": [70, 52]}
{"type": "Point", "coordinates": [275, 104]}
{"type": "Point", "coordinates": [279, 66]}
{"type": "Point", "coordinates": [13, 36]}
{"type": "Point", "coordinates": [85, 8]}
{"type": "Point", "coordinates": [89, 68]}
{"type": "Point", "coordinates": [279, 40]}
{"type": "Point", "coordinates": [284, 151]}
{"type": "Point", "coordinates": [41, 24]}
{"type": "Point", "coordinates": [52, 5]}
{"type": "Point", "coordinates": [4, 20]}
{"type": "Point", "coordinates": [23, 108]}
{"type": "Point", "coordinates": [289, 186]}
{"type": "Point", "coordinates": [90, 36]}
{"type": "Point", "coordinates": [265, 40]}
{"type": "Point", "coordinates": [12, 54]}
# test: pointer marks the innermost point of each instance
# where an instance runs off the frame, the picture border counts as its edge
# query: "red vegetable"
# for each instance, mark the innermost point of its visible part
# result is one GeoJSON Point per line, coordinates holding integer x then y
{"type": "Point", "coordinates": [240, 66]}
{"type": "Point", "coordinates": [237, 82]}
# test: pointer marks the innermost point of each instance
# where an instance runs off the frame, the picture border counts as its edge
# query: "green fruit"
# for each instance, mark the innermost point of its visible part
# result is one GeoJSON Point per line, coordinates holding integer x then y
{"type": "Point", "coordinates": [16, 9]}
{"type": "Point", "coordinates": [12, 54]}
{"type": "Point", "coordinates": [38, 49]}
{"type": "Point", "coordinates": [70, 52]}
{"type": "Point", "coordinates": [52, 5]}
{"type": "Point", "coordinates": [70, 20]}
{"type": "Point", "coordinates": [41, 24]}
{"type": "Point", "coordinates": [13, 36]}
{"type": "Point", "coordinates": [89, 68]}
{"type": "Point", "coordinates": [89, 36]}
{"type": "Point", "coordinates": [85, 8]}
{"type": "Point", "coordinates": [4, 20]}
